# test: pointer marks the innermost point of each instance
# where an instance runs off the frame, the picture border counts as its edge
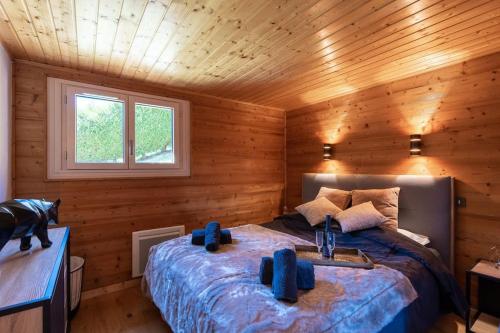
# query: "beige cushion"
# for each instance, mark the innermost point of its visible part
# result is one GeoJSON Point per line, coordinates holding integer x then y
{"type": "Point", "coordinates": [384, 200]}
{"type": "Point", "coordinates": [316, 210]}
{"type": "Point", "coordinates": [340, 198]}
{"type": "Point", "coordinates": [359, 217]}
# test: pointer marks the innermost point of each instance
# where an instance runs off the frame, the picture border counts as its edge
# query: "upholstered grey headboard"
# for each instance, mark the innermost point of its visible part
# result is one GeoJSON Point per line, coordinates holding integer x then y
{"type": "Point", "coordinates": [425, 203]}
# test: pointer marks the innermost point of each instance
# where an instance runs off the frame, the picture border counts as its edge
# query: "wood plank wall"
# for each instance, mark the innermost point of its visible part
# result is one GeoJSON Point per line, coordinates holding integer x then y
{"type": "Point", "coordinates": [236, 174]}
{"type": "Point", "coordinates": [457, 109]}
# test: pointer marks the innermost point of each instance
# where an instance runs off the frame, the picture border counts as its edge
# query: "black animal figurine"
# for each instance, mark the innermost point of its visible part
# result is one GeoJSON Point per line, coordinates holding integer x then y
{"type": "Point", "coordinates": [25, 218]}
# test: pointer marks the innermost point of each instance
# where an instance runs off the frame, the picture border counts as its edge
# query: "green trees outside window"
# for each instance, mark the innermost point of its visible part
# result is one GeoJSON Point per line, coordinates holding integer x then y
{"type": "Point", "coordinates": [100, 131]}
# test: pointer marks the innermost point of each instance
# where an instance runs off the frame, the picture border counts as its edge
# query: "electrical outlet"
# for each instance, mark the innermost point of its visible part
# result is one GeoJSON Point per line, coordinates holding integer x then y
{"type": "Point", "coordinates": [461, 202]}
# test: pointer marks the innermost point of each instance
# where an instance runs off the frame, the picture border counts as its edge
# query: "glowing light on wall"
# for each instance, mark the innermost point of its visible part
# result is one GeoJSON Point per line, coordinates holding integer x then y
{"type": "Point", "coordinates": [327, 151]}
{"type": "Point", "coordinates": [415, 145]}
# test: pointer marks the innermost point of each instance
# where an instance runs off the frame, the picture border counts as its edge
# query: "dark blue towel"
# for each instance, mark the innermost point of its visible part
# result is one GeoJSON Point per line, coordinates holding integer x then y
{"type": "Point", "coordinates": [225, 236]}
{"type": "Point", "coordinates": [305, 274]}
{"type": "Point", "coordinates": [212, 236]}
{"type": "Point", "coordinates": [285, 275]}
{"type": "Point", "coordinates": [198, 237]}
{"type": "Point", "coordinates": [266, 270]}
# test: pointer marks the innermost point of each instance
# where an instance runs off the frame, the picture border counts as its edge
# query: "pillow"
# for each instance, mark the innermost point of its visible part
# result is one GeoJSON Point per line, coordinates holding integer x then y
{"type": "Point", "coordinates": [421, 239]}
{"type": "Point", "coordinates": [384, 200]}
{"type": "Point", "coordinates": [359, 217]}
{"type": "Point", "coordinates": [316, 210]}
{"type": "Point", "coordinates": [340, 198]}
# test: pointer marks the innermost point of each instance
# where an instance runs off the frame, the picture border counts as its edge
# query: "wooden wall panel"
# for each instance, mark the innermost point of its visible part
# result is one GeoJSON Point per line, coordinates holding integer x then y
{"type": "Point", "coordinates": [237, 173]}
{"type": "Point", "coordinates": [457, 111]}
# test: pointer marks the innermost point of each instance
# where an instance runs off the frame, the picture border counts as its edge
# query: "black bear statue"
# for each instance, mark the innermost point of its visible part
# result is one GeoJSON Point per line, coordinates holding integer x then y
{"type": "Point", "coordinates": [23, 218]}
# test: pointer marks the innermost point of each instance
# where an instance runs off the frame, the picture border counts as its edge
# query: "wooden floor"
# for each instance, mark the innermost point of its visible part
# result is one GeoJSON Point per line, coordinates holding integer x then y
{"type": "Point", "coordinates": [128, 311]}
{"type": "Point", "coordinates": [123, 311]}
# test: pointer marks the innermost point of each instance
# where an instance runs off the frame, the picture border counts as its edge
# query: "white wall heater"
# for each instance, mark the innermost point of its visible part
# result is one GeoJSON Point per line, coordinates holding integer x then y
{"type": "Point", "coordinates": [144, 239]}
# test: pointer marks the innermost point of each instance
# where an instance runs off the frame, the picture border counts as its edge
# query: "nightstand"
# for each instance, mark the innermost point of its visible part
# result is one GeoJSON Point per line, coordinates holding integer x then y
{"type": "Point", "coordinates": [488, 290]}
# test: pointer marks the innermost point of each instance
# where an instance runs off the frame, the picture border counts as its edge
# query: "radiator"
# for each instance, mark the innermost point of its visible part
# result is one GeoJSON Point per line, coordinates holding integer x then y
{"type": "Point", "coordinates": [144, 239]}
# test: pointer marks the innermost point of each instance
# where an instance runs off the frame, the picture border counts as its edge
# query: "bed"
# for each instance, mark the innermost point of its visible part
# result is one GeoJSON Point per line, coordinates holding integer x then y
{"type": "Point", "coordinates": [409, 288]}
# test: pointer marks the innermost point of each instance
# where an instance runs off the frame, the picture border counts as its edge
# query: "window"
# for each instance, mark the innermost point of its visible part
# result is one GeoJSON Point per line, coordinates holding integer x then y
{"type": "Point", "coordinates": [96, 132]}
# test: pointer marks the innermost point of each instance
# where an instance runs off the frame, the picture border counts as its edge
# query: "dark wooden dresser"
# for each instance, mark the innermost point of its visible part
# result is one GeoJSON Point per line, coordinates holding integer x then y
{"type": "Point", "coordinates": [34, 286]}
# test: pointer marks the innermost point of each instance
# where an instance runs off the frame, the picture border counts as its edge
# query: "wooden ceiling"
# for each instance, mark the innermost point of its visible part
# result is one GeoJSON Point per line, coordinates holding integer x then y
{"type": "Point", "coordinates": [278, 53]}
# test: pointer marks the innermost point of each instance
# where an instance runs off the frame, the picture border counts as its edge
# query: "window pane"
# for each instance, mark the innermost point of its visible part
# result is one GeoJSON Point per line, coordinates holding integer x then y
{"type": "Point", "coordinates": [100, 127]}
{"type": "Point", "coordinates": [153, 134]}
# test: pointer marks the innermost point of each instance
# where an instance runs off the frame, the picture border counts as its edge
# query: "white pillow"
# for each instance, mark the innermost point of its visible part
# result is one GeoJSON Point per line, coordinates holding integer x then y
{"type": "Point", "coordinates": [316, 210]}
{"type": "Point", "coordinates": [359, 217]}
{"type": "Point", "coordinates": [421, 239]}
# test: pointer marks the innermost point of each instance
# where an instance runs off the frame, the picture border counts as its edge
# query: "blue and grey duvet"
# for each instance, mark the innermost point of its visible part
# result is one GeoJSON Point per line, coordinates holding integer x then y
{"type": "Point", "coordinates": [200, 291]}
{"type": "Point", "coordinates": [437, 289]}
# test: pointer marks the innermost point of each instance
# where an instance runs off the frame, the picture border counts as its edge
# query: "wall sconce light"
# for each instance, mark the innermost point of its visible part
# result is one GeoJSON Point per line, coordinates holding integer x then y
{"type": "Point", "coordinates": [327, 151]}
{"type": "Point", "coordinates": [415, 144]}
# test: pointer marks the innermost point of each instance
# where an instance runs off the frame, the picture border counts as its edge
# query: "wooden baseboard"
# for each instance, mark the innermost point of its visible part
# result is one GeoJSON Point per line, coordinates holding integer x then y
{"type": "Point", "coordinates": [110, 289]}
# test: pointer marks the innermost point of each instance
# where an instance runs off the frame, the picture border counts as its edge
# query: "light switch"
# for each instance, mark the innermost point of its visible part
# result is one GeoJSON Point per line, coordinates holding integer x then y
{"type": "Point", "coordinates": [461, 202]}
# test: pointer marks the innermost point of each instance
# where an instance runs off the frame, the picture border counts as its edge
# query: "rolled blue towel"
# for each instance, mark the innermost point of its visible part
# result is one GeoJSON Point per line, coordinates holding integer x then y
{"type": "Point", "coordinates": [305, 274]}
{"type": "Point", "coordinates": [225, 236]}
{"type": "Point", "coordinates": [198, 237]}
{"type": "Point", "coordinates": [212, 236]}
{"type": "Point", "coordinates": [266, 270]}
{"type": "Point", "coordinates": [285, 275]}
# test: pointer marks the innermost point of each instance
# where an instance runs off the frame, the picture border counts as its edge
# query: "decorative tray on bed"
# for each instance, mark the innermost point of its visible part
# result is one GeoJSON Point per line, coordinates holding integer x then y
{"type": "Point", "coordinates": [343, 257]}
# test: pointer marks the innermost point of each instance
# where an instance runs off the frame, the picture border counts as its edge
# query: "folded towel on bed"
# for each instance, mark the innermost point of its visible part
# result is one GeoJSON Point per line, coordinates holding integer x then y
{"type": "Point", "coordinates": [198, 237]}
{"type": "Point", "coordinates": [212, 236]}
{"type": "Point", "coordinates": [305, 273]}
{"type": "Point", "coordinates": [285, 275]}
{"type": "Point", "coordinates": [225, 236]}
{"type": "Point", "coordinates": [266, 270]}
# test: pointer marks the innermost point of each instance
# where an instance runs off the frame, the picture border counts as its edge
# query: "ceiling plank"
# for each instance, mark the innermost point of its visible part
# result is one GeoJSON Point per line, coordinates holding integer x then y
{"type": "Point", "coordinates": [165, 32]}
{"type": "Point", "coordinates": [9, 37]}
{"type": "Point", "coordinates": [151, 20]}
{"type": "Point", "coordinates": [130, 18]}
{"type": "Point", "coordinates": [20, 20]}
{"type": "Point", "coordinates": [107, 25]}
{"type": "Point", "coordinates": [63, 16]}
{"type": "Point", "coordinates": [86, 31]}
{"type": "Point", "coordinates": [41, 18]}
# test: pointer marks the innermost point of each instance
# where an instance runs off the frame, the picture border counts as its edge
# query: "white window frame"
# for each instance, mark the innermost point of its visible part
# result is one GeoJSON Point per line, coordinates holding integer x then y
{"type": "Point", "coordinates": [60, 119]}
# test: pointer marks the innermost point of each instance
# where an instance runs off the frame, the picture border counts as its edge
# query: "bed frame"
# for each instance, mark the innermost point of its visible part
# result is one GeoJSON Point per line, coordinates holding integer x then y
{"type": "Point", "coordinates": [426, 204]}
